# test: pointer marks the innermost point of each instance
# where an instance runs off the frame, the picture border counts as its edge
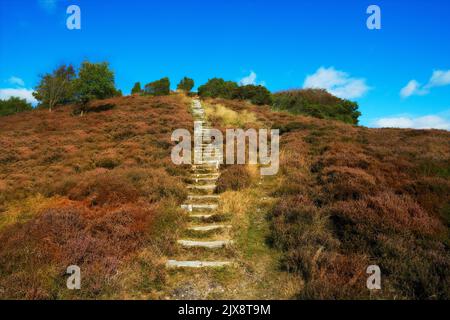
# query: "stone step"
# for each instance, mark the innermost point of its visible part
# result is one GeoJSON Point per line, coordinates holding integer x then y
{"type": "Point", "coordinates": [190, 207]}
{"type": "Point", "coordinates": [202, 187]}
{"type": "Point", "coordinates": [200, 216]}
{"type": "Point", "coordinates": [203, 197]}
{"type": "Point", "coordinates": [205, 244]}
{"type": "Point", "coordinates": [196, 264]}
{"type": "Point", "coordinates": [209, 227]}
{"type": "Point", "coordinates": [196, 179]}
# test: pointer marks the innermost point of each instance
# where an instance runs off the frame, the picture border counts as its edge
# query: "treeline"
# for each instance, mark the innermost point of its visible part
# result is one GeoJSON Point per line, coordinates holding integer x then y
{"type": "Point", "coordinates": [96, 81]}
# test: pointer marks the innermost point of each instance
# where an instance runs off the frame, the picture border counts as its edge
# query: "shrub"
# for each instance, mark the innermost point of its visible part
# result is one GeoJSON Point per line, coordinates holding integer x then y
{"type": "Point", "coordinates": [186, 84]}
{"type": "Point", "coordinates": [14, 105]}
{"type": "Point", "coordinates": [317, 103]}
{"type": "Point", "coordinates": [158, 88]}
{"type": "Point", "coordinates": [258, 95]}
{"type": "Point", "coordinates": [218, 88]}
{"type": "Point", "coordinates": [234, 178]}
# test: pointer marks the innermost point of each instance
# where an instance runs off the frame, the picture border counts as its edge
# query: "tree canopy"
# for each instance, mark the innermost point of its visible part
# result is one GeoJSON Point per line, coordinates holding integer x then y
{"type": "Point", "coordinates": [14, 105]}
{"type": "Point", "coordinates": [186, 84]}
{"type": "Point", "coordinates": [158, 88]}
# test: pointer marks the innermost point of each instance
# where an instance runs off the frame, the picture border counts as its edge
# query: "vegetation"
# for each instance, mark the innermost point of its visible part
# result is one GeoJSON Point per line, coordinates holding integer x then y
{"type": "Point", "coordinates": [186, 84]}
{"type": "Point", "coordinates": [258, 95]}
{"type": "Point", "coordinates": [104, 195]}
{"type": "Point", "coordinates": [14, 105]}
{"type": "Point", "coordinates": [136, 88]}
{"type": "Point", "coordinates": [158, 88]}
{"type": "Point", "coordinates": [95, 81]}
{"type": "Point", "coordinates": [349, 197]}
{"type": "Point", "coordinates": [317, 103]}
{"type": "Point", "coordinates": [56, 87]}
{"type": "Point", "coordinates": [218, 88]}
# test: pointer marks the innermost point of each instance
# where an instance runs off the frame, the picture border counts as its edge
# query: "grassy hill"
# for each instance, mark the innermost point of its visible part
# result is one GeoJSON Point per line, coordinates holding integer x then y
{"type": "Point", "coordinates": [100, 191]}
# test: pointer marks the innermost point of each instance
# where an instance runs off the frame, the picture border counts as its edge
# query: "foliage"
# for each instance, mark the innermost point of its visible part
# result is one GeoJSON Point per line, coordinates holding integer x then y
{"type": "Point", "coordinates": [258, 95]}
{"type": "Point", "coordinates": [218, 88]}
{"type": "Point", "coordinates": [136, 88]}
{"type": "Point", "coordinates": [186, 84]}
{"type": "Point", "coordinates": [56, 88]}
{"type": "Point", "coordinates": [14, 105]}
{"type": "Point", "coordinates": [95, 81]}
{"type": "Point", "coordinates": [158, 88]}
{"type": "Point", "coordinates": [317, 103]}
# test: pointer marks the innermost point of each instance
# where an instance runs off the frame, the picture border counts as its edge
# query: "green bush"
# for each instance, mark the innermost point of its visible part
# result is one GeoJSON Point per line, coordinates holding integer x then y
{"type": "Point", "coordinates": [218, 88]}
{"type": "Point", "coordinates": [317, 103]}
{"type": "Point", "coordinates": [158, 88]}
{"type": "Point", "coordinates": [14, 105]}
{"type": "Point", "coordinates": [256, 94]}
{"type": "Point", "coordinates": [186, 84]}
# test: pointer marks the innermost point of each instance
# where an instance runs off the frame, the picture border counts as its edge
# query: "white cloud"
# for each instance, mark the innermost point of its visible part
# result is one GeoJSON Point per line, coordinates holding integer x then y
{"type": "Point", "coordinates": [412, 88]}
{"type": "Point", "coordinates": [425, 122]}
{"type": "Point", "coordinates": [439, 78]}
{"type": "Point", "coordinates": [16, 81]}
{"type": "Point", "coordinates": [250, 79]}
{"type": "Point", "coordinates": [22, 93]}
{"type": "Point", "coordinates": [337, 82]}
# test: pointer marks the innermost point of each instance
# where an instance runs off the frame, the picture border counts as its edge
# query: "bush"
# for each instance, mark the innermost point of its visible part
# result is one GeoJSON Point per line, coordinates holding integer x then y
{"type": "Point", "coordinates": [317, 103]}
{"type": "Point", "coordinates": [186, 84]}
{"type": "Point", "coordinates": [14, 105]}
{"type": "Point", "coordinates": [258, 95]}
{"type": "Point", "coordinates": [158, 88]}
{"type": "Point", "coordinates": [218, 88]}
{"type": "Point", "coordinates": [234, 178]}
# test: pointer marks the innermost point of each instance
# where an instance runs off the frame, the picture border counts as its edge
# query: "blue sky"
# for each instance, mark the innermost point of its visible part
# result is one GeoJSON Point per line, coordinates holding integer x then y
{"type": "Point", "coordinates": [400, 75]}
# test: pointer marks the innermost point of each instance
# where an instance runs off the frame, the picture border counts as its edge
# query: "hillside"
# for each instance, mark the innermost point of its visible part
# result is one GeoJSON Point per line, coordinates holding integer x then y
{"type": "Point", "coordinates": [100, 191]}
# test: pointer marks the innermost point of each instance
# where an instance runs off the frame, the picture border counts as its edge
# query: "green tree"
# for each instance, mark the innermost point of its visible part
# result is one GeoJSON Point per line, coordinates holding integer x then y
{"type": "Point", "coordinates": [136, 88]}
{"type": "Point", "coordinates": [186, 84]}
{"type": "Point", "coordinates": [158, 88]}
{"type": "Point", "coordinates": [218, 88]}
{"type": "Point", "coordinates": [14, 105]}
{"type": "Point", "coordinates": [95, 81]}
{"type": "Point", "coordinates": [256, 94]}
{"type": "Point", "coordinates": [56, 88]}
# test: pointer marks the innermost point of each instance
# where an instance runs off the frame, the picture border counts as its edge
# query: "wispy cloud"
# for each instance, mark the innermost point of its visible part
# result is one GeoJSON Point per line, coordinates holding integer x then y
{"type": "Point", "coordinates": [424, 122]}
{"type": "Point", "coordinates": [22, 93]}
{"type": "Point", "coordinates": [338, 83]}
{"type": "Point", "coordinates": [16, 81]}
{"type": "Point", "coordinates": [412, 88]}
{"type": "Point", "coordinates": [439, 78]}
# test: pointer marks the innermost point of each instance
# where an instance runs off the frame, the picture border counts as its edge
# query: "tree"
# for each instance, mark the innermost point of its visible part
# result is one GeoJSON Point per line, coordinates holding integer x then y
{"type": "Point", "coordinates": [14, 105]}
{"type": "Point", "coordinates": [256, 94]}
{"type": "Point", "coordinates": [158, 88]}
{"type": "Point", "coordinates": [186, 84]}
{"type": "Point", "coordinates": [56, 88]}
{"type": "Point", "coordinates": [95, 81]}
{"type": "Point", "coordinates": [218, 88]}
{"type": "Point", "coordinates": [136, 88]}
